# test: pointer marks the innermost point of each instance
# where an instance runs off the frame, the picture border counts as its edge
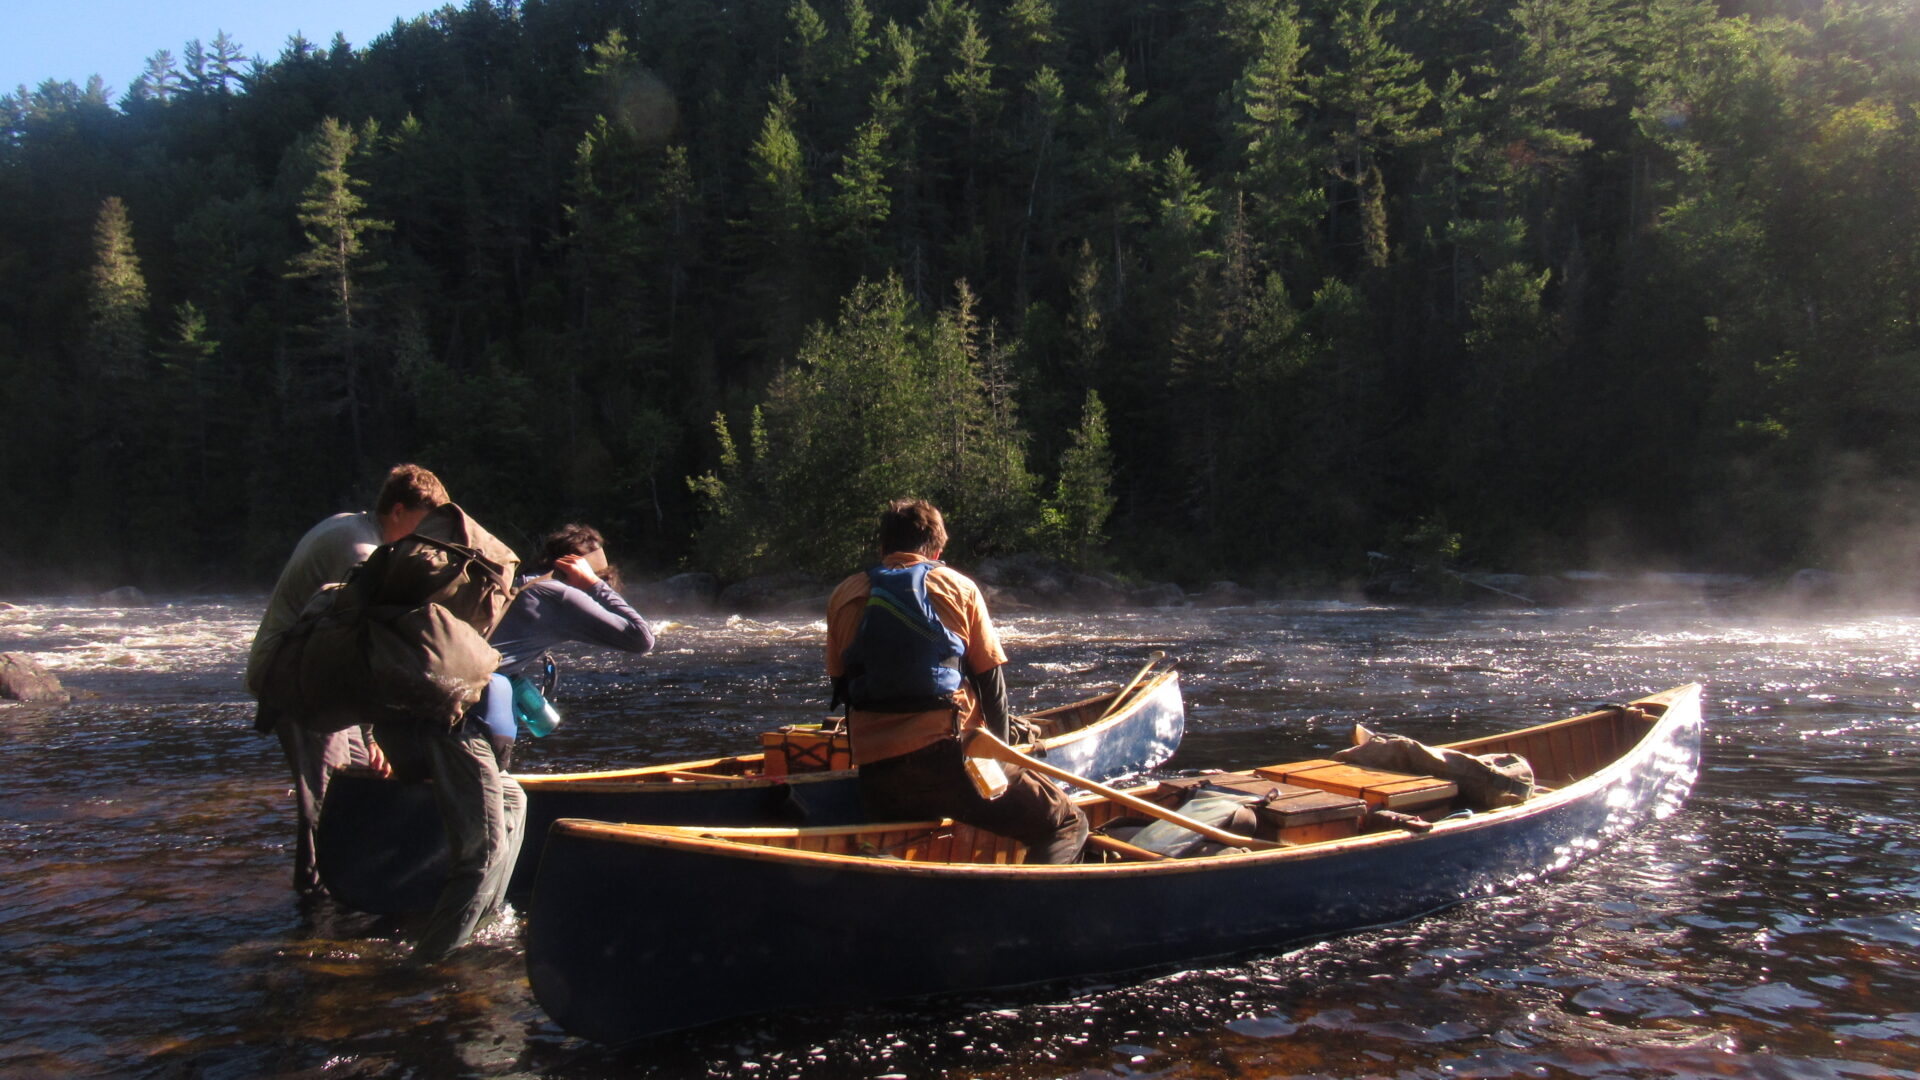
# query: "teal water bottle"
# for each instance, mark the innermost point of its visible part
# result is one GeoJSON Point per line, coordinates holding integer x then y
{"type": "Point", "coordinates": [531, 708]}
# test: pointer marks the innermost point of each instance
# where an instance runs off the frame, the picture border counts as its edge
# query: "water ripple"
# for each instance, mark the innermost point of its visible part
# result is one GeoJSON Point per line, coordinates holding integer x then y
{"type": "Point", "coordinates": [1767, 930]}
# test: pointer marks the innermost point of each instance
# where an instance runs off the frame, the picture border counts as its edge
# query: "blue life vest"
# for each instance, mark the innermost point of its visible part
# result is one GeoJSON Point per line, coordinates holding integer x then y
{"type": "Point", "coordinates": [902, 658]}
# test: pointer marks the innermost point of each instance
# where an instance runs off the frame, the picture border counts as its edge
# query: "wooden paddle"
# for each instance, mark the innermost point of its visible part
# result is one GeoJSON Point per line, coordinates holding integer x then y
{"type": "Point", "coordinates": [1153, 658]}
{"type": "Point", "coordinates": [984, 744]}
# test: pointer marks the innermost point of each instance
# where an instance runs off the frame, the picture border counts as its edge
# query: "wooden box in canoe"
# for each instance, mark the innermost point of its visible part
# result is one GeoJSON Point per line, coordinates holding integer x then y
{"type": "Point", "coordinates": [638, 930]}
{"type": "Point", "coordinates": [380, 846]}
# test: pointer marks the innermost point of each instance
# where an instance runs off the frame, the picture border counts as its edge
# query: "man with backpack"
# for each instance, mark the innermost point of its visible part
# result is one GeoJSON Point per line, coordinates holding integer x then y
{"type": "Point", "coordinates": [912, 652]}
{"type": "Point", "coordinates": [415, 620]}
{"type": "Point", "coordinates": [324, 556]}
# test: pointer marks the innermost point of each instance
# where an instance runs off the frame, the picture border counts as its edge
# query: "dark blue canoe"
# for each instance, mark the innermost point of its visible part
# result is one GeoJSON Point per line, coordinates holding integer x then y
{"type": "Point", "coordinates": [381, 847]}
{"type": "Point", "coordinates": [638, 930]}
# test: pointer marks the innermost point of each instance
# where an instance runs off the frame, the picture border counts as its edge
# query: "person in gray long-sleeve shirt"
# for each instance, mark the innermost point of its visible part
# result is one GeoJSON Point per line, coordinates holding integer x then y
{"type": "Point", "coordinates": [324, 556]}
{"type": "Point", "coordinates": [575, 604]}
{"type": "Point", "coordinates": [572, 602]}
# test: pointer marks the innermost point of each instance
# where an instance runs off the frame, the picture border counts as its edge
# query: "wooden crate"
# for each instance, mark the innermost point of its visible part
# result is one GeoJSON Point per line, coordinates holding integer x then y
{"type": "Point", "coordinates": [1382, 790]}
{"type": "Point", "coordinates": [802, 748]}
{"type": "Point", "coordinates": [1302, 815]}
{"type": "Point", "coordinates": [1286, 812]}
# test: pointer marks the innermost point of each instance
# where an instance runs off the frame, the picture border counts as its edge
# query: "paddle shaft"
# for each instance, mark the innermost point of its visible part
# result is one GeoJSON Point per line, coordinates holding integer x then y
{"type": "Point", "coordinates": [1153, 658]}
{"type": "Point", "coordinates": [986, 744]}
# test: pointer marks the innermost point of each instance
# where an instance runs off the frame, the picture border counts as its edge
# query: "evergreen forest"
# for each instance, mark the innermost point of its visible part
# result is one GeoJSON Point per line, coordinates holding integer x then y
{"type": "Point", "coordinates": [1178, 288]}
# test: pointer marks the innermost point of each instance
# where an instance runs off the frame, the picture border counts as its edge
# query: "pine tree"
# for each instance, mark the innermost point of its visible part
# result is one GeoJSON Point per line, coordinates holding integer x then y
{"type": "Point", "coordinates": [116, 298]}
{"type": "Point", "coordinates": [1045, 103]}
{"type": "Point", "coordinates": [1074, 521]}
{"type": "Point", "coordinates": [971, 79]}
{"type": "Point", "coordinates": [337, 261]}
{"type": "Point", "coordinates": [778, 243]}
{"type": "Point", "coordinates": [223, 66]}
{"type": "Point", "coordinates": [1113, 171]}
{"type": "Point", "coordinates": [863, 201]}
{"type": "Point", "coordinates": [1372, 90]}
{"type": "Point", "coordinates": [732, 537]}
{"type": "Point", "coordinates": [1183, 213]}
{"type": "Point", "coordinates": [198, 78]}
{"type": "Point", "coordinates": [985, 481]}
{"type": "Point", "coordinates": [1087, 321]}
{"type": "Point", "coordinates": [1277, 175]}
{"type": "Point", "coordinates": [160, 80]}
{"type": "Point", "coordinates": [808, 39]}
{"type": "Point", "coordinates": [105, 387]}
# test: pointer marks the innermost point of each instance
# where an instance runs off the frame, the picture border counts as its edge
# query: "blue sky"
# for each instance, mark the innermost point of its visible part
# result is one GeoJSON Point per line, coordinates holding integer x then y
{"type": "Point", "coordinates": [72, 39]}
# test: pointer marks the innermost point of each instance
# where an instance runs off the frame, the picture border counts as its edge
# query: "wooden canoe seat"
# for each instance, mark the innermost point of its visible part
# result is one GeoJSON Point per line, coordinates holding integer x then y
{"type": "Point", "coordinates": [1382, 790]}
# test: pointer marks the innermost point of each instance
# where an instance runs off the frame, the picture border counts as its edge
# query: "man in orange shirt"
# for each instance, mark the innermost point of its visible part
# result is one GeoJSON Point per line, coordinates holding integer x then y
{"type": "Point", "coordinates": [912, 652]}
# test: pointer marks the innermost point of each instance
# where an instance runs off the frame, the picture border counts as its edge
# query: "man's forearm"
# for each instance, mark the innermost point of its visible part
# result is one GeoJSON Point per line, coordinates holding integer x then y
{"type": "Point", "coordinates": [990, 686]}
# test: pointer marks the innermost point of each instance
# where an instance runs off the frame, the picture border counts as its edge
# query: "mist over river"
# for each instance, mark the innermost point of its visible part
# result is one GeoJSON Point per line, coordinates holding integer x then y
{"type": "Point", "coordinates": [1770, 929]}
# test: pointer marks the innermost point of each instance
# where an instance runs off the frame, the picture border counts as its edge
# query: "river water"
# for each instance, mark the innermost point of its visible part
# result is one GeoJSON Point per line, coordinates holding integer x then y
{"type": "Point", "coordinates": [1771, 929]}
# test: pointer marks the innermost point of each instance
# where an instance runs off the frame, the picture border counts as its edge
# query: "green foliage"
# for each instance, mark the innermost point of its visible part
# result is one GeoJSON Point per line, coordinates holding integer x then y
{"type": "Point", "coordinates": [1278, 173]}
{"type": "Point", "coordinates": [863, 201]}
{"type": "Point", "coordinates": [732, 539]}
{"type": "Point", "coordinates": [1372, 92]}
{"type": "Point", "coordinates": [117, 298]}
{"type": "Point", "coordinates": [884, 404]}
{"type": "Point", "coordinates": [1429, 543]}
{"type": "Point", "coordinates": [337, 262]}
{"type": "Point", "coordinates": [1508, 317]}
{"type": "Point", "coordinates": [1325, 265]}
{"type": "Point", "coordinates": [479, 428]}
{"type": "Point", "coordinates": [106, 388]}
{"type": "Point", "coordinates": [1073, 522]}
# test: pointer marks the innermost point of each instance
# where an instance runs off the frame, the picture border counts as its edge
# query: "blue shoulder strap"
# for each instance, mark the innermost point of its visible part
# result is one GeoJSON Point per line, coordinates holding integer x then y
{"type": "Point", "coordinates": [911, 605]}
{"type": "Point", "coordinates": [903, 658]}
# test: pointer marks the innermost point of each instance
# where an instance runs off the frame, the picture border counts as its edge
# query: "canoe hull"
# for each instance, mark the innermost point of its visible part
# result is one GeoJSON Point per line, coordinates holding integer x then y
{"type": "Point", "coordinates": [381, 848]}
{"type": "Point", "coordinates": [614, 954]}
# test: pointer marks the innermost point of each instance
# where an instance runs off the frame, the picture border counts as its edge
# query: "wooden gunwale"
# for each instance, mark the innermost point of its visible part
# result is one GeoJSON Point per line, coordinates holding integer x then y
{"type": "Point", "coordinates": [744, 769]}
{"type": "Point", "coordinates": [709, 765]}
{"type": "Point", "coordinates": [1646, 712]}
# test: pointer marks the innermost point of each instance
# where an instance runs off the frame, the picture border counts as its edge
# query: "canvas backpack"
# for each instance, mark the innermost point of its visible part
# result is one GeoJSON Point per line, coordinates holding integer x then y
{"type": "Point", "coordinates": [447, 560]}
{"type": "Point", "coordinates": [404, 638]}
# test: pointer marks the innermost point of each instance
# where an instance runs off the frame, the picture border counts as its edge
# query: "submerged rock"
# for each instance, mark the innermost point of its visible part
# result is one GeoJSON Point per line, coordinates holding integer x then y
{"type": "Point", "coordinates": [23, 679]}
{"type": "Point", "coordinates": [124, 596]}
